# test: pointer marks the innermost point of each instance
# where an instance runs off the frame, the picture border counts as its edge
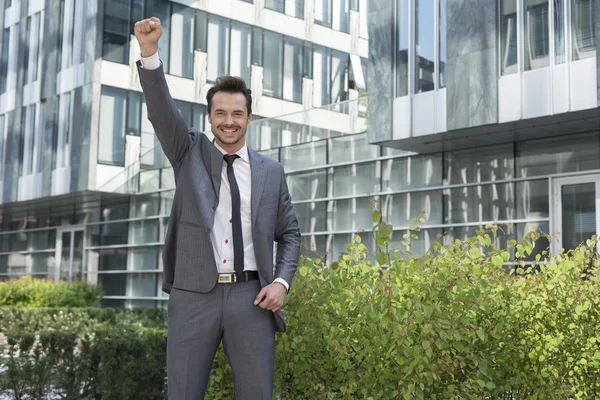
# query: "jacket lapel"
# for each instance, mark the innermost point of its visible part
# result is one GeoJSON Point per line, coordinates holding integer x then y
{"type": "Point", "coordinates": [258, 181]}
{"type": "Point", "coordinates": [216, 165]}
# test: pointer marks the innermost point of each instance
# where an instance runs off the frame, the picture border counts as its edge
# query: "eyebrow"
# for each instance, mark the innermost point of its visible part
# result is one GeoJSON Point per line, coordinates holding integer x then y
{"type": "Point", "coordinates": [234, 111]}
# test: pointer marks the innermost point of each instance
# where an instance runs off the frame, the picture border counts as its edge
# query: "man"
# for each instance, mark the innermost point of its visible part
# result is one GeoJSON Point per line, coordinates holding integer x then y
{"type": "Point", "coordinates": [230, 205]}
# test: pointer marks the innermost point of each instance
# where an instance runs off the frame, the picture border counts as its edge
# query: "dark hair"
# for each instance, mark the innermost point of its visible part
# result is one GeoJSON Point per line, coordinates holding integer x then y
{"type": "Point", "coordinates": [230, 84]}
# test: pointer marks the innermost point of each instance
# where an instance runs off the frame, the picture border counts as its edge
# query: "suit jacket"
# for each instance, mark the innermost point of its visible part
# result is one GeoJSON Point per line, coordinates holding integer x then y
{"type": "Point", "coordinates": [188, 256]}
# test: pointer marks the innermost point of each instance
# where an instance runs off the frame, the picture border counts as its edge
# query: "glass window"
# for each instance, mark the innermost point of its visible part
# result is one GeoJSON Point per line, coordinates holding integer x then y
{"type": "Point", "coordinates": [30, 164]}
{"type": "Point", "coordinates": [42, 264]}
{"type": "Point", "coordinates": [351, 148]}
{"type": "Point", "coordinates": [425, 46]}
{"type": "Point", "coordinates": [241, 48]}
{"type": "Point", "coordinates": [144, 231]}
{"type": "Point", "coordinates": [559, 31]}
{"type": "Point", "coordinates": [532, 199]}
{"type": "Point", "coordinates": [201, 29]}
{"type": "Point", "coordinates": [116, 35]}
{"type": "Point", "coordinates": [584, 29]}
{"type": "Point", "coordinates": [199, 116]}
{"type": "Point", "coordinates": [341, 15]}
{"type": "Point", "coordinates": [295, 8]}
{"type": "Point", "coordinates": [400, 209]}
{"type": "Point", "coordinates": [312, 246]}
{"type": "Point", "coordinates": [308, 154]}
{"type": "Point", "coordinates": [356, 179]}
{"type": "Point", "coordinates": [273, 65]}
{"type": "Point", "coordinates": [482, 164]}
{"type": "Point", "coordinates": [509, 47]}
{"type": "Point", "coordinates": [321, 74]}
{"type": "Point", "coordinates": [111, 140]}
{"type": "Point", "coordinates": [292, 70]}
{"type": "Point", "coordinates": [257, 43]}
{"type": "Point", "coordinates": [41, 240]}
{"type": "Point", "coordinates": [218, 48]}
{"type": "Point", "coordinates": [134, 113]}
{"type": "Point", "coordinates": [537, 34]}
{"type": "Point", "coordinates": [145, 206]}
{"type": "Point", "coordinates": [112, 259]}
{"type": "Point", "coordinates": [182, 41]}
{"type": "Point", "coordinates": [354, 5]}
{"type": "Point", "coordinates": [352, 214]}
{"type": "Point", "coordinates": [412, 172]}
{"type": "Point", "coordinates": [323, 12]}
{"type": "Point", "coordinates": [307, 60]}
{"type": "Point", "coordinates": [185, 109]}
{"type": "Point", "coordinates": [33, 51]}
{"type": "Point", "coordinates": [142, 285]}
{"type": "Point", "coordinates": [113, 284]}
{"type": "Point", "coordinates": [308, 186]}
{"type": "Point", "coordinates": [312, 217]}
{"type": "Point", "coordinates": [162, 10]}
{"type": "Point", "coordinates": [339, 76]}
{"type": "Point", "coordinates": [483, 203]}
{"type": "Point", "coordinates": [570, 153]}
{"type": "Point", "coordinates": [63, 137]}
{"type": "Point", "coordinates": [4, 60]}
{"type": "Point", "coordinates": [276, 5]}
{"type": "Point", "coordinates": [402, 52]}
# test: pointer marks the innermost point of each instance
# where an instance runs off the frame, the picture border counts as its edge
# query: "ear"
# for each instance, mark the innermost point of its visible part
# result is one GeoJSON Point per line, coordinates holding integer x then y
{"type": "Point", "coordinates": [249, 118]}
{"type": "Point", "coordinates": [209, 118]}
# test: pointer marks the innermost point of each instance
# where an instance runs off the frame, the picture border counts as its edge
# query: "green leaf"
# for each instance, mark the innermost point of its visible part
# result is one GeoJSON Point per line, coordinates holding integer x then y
{"type": "Point", "coordinates": [497, 260]}
{"type": "Point", "coordinates": [357, 239]}
{"type": "Point", "coordinates": [474, 252]}
{"type": "Point", "coordinates": [376, 216]}
{"type": "Point", "coordinates": [382, 258]}
{"type": "Point", "coordinates": [303, 270]}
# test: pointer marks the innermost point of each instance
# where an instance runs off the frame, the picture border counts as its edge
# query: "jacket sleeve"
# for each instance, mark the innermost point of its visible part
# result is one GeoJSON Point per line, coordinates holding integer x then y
{"type": "Point", "coordinates": [169, 125]}
{"type": "Point", "coordinates": [287, 236]}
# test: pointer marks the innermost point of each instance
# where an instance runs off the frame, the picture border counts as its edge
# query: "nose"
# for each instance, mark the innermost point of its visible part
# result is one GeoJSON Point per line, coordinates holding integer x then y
{"type": "Point", "coordinates": [230, 119]}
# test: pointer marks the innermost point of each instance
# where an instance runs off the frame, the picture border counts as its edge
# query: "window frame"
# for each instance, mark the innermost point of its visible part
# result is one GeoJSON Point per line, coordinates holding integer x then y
{"type": "Point", "coordinates": [285, 9]}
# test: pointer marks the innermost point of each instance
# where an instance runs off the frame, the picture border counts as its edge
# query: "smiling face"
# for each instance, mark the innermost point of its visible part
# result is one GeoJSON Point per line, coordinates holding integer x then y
{"type": "Point", "coordinates": [229, 119]}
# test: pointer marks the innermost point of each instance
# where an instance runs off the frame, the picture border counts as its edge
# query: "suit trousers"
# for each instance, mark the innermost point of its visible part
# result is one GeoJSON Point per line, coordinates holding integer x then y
{"type": "Point", "coordinates": [198, 322]}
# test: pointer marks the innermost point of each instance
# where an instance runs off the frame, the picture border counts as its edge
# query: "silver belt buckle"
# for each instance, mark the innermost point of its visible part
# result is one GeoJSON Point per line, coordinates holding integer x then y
{"type": "Point", "coordinates": [227, 278]}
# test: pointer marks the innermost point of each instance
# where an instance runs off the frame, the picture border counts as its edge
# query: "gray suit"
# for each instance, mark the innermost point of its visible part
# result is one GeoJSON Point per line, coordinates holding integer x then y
{"type": "Point", "coordinates": [202, 312]}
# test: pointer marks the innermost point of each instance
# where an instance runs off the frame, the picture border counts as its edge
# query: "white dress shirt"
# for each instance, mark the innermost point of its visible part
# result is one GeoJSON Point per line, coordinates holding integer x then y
{"type": "Point", "coordinates": [222, 233]}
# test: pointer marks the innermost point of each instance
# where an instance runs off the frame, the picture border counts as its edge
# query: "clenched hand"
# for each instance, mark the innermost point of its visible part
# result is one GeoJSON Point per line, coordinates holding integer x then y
{"type": "Point", "coordinates": [148, 32]}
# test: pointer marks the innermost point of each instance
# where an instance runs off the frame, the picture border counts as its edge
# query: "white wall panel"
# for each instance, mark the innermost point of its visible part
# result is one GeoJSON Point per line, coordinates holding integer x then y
{"type": "Point", "coordinates": [401, 119]}
{"type": "Point", "coordinates": [583, 84]}
{"type": "Point", "coordinates": [537, 93]}
{"type": "Point", "coordinates": [509, 98]}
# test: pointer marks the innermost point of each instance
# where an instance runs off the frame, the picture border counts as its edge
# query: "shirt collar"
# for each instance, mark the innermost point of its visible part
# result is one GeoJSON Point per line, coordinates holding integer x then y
{"type": "Point", "coordinates": [243, 152]}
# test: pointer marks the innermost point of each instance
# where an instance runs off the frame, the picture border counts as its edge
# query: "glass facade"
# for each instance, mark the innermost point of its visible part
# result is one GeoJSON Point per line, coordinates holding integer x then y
{"type": "Point", "coordinates": [420, 46]}
{"type": "Point", "coordinates": [541, 29]}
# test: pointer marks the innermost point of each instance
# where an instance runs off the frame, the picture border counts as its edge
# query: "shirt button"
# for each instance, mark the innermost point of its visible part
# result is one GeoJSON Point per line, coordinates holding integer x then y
{"type": "Point", "coordinates": [230, 220]}
{"type": "Point", "coordinates": [224, 261]}
{"type": "Point", "coordinates": [226, 241]}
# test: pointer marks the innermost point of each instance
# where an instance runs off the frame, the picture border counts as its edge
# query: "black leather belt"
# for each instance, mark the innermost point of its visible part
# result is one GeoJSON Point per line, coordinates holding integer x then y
{"type": "Point", "coordinates": [235, 278]}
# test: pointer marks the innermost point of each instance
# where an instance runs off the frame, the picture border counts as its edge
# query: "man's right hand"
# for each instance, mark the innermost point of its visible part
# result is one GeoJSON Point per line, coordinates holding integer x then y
{"type": "Point", "coordinates": [148, 32]}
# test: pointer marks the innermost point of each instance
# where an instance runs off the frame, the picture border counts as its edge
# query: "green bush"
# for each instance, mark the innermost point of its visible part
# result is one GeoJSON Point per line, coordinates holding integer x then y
{"type": "Point", "coordinates": [452, 324]}
{"type": "Point", "coordinates": [28, 292]}
{"type": "Point", "coordinates": [111, 363]}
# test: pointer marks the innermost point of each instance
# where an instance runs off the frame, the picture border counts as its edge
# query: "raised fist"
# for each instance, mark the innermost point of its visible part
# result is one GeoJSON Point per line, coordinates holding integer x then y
{"type": "Point", "coordinates": [148, 32]}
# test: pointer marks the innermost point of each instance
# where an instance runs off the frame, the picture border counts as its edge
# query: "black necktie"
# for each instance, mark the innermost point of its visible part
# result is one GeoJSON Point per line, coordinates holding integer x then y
{"type": "Point", "coordinates": [238, 242]}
